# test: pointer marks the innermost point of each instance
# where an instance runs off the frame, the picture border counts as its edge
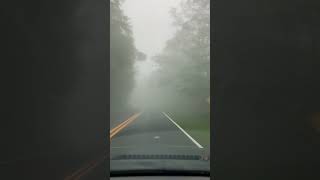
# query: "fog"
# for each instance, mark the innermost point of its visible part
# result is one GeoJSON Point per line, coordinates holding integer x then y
{"type": "Point", "coordinates": [153, 25]}
{"type": "Point", "coordinates": [153, 14]}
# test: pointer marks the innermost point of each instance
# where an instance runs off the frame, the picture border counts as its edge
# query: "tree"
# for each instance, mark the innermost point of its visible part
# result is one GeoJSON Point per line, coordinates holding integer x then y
{"type": "Point", "coordinates": [140, 56]}
{"type": "Point", "coordinates": [122, 56]}
{"type": "Point", "coordinates": [185, 61]}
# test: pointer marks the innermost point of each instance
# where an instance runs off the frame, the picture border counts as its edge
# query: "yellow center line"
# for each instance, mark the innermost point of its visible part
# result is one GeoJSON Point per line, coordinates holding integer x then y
{"type": "Point", "coordinates": [124, 124]}
{"type": "Point", "coordinates": [118, 126]}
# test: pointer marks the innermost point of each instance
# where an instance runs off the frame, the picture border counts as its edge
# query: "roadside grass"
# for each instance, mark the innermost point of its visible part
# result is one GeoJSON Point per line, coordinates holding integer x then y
{"type": "Point", "coordinates": [197, 124]}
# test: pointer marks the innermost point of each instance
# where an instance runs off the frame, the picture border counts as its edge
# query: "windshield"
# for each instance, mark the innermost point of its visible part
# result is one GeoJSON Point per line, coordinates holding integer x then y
{"type": "Point", "coordinates": [160, 85]}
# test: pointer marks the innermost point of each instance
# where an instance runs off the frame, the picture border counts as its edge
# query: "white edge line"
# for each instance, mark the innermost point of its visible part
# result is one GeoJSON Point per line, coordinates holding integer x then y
{"type": "Point", "coordinates": [194, 141]}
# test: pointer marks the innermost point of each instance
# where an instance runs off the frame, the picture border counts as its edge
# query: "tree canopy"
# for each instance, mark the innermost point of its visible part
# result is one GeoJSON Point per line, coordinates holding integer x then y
{"type": "Point", "coordinates": [122, 56]}
{"type": "Point", "coordinates": [184, 63]}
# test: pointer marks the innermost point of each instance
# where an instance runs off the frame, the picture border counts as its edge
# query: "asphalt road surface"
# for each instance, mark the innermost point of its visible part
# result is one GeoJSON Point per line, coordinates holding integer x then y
{"type": "Point", "coordinates": [152, 135]}
{"type": "Point", "coordinates": [152, 130]}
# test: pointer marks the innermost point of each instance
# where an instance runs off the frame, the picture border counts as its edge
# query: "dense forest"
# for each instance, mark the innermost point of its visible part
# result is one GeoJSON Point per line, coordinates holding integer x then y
{"type": "Point", "coordinates": [123, 54]}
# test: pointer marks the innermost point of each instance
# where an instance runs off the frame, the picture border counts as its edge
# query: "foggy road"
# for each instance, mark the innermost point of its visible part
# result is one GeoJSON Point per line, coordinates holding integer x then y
{"type": "Point", "coordinates": [153, 133]}
{"type": "Point", "coordinates": [152, 129]}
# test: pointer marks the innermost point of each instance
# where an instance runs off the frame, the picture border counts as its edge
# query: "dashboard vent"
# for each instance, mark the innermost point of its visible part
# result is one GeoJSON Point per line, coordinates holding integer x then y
{"type": "Point", "coordinates": [155, 156]}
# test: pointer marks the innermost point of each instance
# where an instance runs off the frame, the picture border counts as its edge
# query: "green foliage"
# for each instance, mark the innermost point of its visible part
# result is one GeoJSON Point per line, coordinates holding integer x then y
{"type": "Point", "coordinates": [185, 62]}
{"type": "Point", "coordinates": [140, 56]}
{"type": "Point", "coordinates": [122, 56]}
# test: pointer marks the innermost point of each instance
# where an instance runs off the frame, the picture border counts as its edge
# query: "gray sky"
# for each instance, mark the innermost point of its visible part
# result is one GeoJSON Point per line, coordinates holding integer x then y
{"type": "Point", "coordinates": [152, 27]}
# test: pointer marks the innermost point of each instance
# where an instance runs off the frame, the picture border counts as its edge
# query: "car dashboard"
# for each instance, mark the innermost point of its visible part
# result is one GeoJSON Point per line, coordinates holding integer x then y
{"type": "Point", "coordinates": [161, 178]}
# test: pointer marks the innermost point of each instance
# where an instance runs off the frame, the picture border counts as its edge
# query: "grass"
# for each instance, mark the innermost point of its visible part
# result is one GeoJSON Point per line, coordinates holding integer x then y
{"type": "Point", "coordinates": [197, 124]}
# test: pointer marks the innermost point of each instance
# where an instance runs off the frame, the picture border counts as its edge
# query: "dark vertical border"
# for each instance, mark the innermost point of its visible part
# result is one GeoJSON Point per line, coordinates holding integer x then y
{"type": "Point", "coordinates": [255, 47]}
{"type": "Point", "coordinates": [108, 88]}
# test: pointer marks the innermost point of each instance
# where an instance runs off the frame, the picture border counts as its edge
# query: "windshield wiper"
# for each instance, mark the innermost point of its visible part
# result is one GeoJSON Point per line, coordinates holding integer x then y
{"type": "Point", "coordinates": [151, 172]}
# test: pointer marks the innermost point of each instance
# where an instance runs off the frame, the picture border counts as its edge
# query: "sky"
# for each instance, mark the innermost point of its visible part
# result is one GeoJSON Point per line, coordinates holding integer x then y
{"type": "Point", "coordinates": [152, 27]}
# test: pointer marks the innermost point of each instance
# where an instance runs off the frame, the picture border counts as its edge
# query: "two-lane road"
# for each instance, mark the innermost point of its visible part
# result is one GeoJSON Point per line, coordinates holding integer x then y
{"type": "Point", "coordinates": [152, 132]}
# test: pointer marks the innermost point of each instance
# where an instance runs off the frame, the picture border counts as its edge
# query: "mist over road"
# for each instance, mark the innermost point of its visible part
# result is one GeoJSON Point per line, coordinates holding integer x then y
{"type": "Point", "coordinates": [153, 132]}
